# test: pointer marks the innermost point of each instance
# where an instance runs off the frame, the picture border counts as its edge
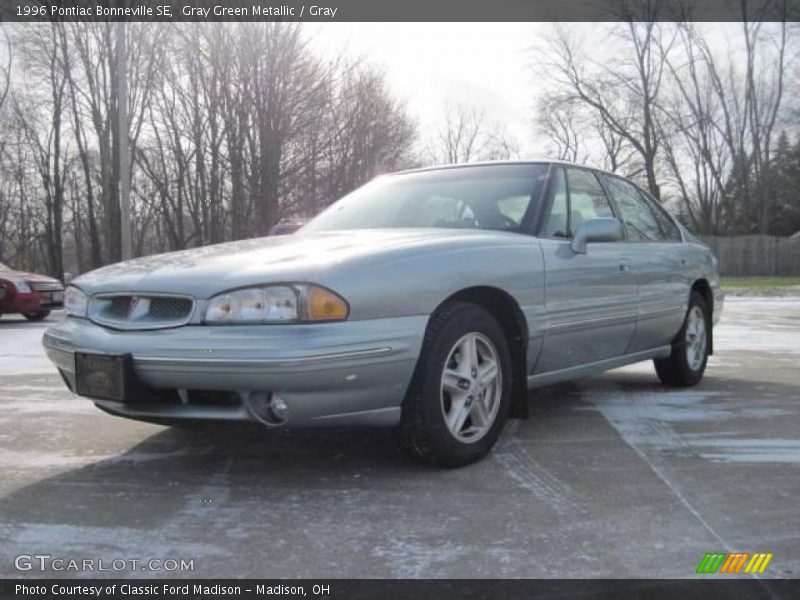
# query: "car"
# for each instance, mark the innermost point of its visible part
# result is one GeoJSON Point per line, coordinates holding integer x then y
{"type": "Point", "coordinates": [430, 301]}
{"type": "Point", "coordinates": [287, 226]}
{"type": "Point", "coordinates": [32, 295]}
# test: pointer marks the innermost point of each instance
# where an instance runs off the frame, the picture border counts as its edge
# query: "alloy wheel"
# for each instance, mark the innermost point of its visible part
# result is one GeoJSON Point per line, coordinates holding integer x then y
{"type": "Point", "coordinates": [695, 338]}
{"type": "Point", "coordinates": [471, 388]}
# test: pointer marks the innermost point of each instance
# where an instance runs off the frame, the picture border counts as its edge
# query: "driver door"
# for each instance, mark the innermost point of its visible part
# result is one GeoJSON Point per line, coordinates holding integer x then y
{"type": "Point", "coordinates": [590, 299]}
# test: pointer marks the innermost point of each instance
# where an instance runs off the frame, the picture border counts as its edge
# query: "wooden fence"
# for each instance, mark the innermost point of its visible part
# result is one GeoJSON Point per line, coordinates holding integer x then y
{"type": "Point", "coordinates": [756, 255]}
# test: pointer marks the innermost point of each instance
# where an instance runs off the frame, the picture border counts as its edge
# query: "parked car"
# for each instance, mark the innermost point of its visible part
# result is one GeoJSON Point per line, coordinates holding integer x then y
{"type": "Point", "coordinates": [32, 295]}
{"type": "Point", "coordinates": [286, 226]}
{"type": "Point", "coordinates": [429, 300]}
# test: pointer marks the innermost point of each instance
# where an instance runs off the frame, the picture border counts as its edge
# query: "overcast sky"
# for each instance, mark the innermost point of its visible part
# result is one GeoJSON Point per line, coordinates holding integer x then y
{"type": "Point", "coordinates": [481, 64]}
{"type": "Point", "coordinates": [488, 65]}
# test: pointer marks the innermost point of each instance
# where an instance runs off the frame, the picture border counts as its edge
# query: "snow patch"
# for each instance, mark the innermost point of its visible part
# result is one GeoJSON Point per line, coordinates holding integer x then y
{"type": "Point", "coordinates": [21, 350]}
{"type": "Point", "coordinates": [645, 420]}
{"type": "Point", "coordinates": [410, 559]}
{"type": "Point", "coordinates": [748, 450]}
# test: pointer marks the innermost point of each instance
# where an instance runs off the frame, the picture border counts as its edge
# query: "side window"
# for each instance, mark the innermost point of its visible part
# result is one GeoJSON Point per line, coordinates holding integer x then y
{"type": "Point", "coordinates": [668, 228]}
{"type": "Point", "coordinates": [555, 224]}
{"type": "Point", "coordinates": [639, 221]}
{"type": "Point", "coordinates": [587, 200]}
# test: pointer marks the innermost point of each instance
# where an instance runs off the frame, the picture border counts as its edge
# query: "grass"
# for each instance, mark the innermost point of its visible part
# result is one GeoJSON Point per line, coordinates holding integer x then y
{"type": "Point", "coordinates": [761, 286]}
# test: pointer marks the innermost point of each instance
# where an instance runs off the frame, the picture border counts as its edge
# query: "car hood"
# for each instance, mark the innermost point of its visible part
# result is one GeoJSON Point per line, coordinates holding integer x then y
{"type": "Point", "coordinates": [27, 276]}
{"type": "Point", "coordinates": [203, 272]}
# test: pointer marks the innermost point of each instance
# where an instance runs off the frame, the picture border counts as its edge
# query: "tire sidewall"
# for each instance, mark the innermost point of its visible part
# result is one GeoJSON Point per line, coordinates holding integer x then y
{"type": "Point", "coordinates": [37, 316]}
{"type": "Point", "coordinates": [465, 319]}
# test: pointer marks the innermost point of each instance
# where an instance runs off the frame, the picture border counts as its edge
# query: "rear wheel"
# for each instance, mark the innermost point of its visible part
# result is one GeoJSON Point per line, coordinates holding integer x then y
{"type": "Point", "coordinates": [37, 316]}
{"type": "Point", "coordinates": [460, 394]}
{"type": "Point", "coordinates": [687, 363]}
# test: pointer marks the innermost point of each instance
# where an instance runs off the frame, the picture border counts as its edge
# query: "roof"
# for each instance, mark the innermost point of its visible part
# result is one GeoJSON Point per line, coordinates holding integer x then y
{"type": "Point", "coordinates": [487, 163]}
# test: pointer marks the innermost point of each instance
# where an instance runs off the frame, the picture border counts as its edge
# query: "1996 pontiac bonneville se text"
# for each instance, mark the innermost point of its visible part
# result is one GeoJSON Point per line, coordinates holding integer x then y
{"type": "Point", "coordinates": [431, 300]}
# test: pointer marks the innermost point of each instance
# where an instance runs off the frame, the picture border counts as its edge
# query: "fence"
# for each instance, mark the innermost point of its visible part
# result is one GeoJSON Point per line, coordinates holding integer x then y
{"type": "Point", "coordinates": [756, 255]}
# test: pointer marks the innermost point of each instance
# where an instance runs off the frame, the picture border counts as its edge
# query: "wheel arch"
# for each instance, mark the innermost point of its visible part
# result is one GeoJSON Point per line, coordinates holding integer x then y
{"type": "Point", "coordinates": [508, 313]}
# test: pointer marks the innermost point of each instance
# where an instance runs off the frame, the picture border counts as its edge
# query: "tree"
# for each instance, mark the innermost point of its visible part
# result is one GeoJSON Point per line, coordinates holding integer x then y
{"type": "Point", "coordinates": [466, 136]}
{"type": "Point", "coordinates": [785, 217]}
{"type": "Point", "coordinates": [92, 65]}
{"type": "Point", "coordinates": [5, 69]}
{"type": "Point", "coordinates": [681, 112]}
{"type": "Point", "coordinates": [696, 155]}
{"type": "Point", "coordinates": [560, 120]}
{"type": "Point", "coordinates": [623, 95]}
{"type": "Point", "coordinates": [749, 95]}
{"type": "Point", "coordinates": [581, 136]}
{"type": "Point", "coordinates": [41, 119]}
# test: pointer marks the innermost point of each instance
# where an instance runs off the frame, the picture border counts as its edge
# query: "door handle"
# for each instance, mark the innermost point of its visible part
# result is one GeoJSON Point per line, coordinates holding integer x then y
{"type": "Point", "coordinates": [625, 267]}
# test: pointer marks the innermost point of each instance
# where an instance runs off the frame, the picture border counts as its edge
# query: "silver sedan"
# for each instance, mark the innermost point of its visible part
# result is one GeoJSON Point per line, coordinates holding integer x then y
{"type": "Point", "coordinates": [428, 300]}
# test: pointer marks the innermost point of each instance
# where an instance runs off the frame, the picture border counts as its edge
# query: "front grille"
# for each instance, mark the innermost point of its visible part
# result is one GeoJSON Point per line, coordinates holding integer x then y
{"type": "Point", "coordinates": [141, 311]}
{"type": "Point", "coordinates": [170, 308]}
{"type": "Point", "coordinates": [43, 286]}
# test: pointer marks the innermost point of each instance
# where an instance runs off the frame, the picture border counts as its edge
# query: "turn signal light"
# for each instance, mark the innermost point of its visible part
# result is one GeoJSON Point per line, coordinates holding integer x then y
{"type": "Point", "coordinates": [324, 305]}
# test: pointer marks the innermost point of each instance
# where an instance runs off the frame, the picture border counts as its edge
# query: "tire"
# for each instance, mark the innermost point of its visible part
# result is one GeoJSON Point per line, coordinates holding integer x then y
{"type": "Point", "coordinates": [687, 363]}
{"type": "Point", "coordinates": [446, 385]}
{"type": "Point", "coordinates": [37, 316]}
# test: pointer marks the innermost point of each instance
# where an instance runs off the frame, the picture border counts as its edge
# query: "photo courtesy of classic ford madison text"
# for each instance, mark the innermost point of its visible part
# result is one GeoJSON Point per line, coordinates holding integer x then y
{"type": "Point", "coordinates": [400, 300]}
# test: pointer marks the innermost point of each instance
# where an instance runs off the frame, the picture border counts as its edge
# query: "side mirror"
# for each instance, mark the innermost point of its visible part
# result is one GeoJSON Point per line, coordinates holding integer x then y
{"type": "Point", "coordinates": [596, 230]}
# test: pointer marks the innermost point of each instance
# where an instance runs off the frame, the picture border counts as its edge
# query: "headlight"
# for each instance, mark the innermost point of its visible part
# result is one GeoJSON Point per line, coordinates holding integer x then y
{"type": "Point", "coordinates": [277, 304]}
{"type": "Point", "coordinates": [75, 302]}
{"type": "Point", "coordinates": [22, 286]}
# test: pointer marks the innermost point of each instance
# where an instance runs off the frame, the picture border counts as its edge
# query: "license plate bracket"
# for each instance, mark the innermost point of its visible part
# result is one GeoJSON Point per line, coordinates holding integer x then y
{"type": "Point", "coordinates": [103, 376]}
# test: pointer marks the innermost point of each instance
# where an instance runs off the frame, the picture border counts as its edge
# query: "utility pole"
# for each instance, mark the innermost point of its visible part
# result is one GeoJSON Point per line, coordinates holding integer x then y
{"type": "Point", "coordinates": [124, 144]}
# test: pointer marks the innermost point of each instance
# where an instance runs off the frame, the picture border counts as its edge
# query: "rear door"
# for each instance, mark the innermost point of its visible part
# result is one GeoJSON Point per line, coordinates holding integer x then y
{"type": "Point", "coordinates": [590, 299]}
{"type": "Point", "coordinates": [657, 263]}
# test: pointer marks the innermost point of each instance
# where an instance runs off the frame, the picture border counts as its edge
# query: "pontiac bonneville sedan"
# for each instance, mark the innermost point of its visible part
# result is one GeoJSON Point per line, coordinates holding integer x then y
{"type": "Point", "coordinates": [429, 300]}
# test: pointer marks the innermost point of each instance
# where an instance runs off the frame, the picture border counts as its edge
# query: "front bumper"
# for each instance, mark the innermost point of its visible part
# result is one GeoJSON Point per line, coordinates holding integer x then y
{"type": "Point", "coordinates": [22, 302]}
{"type": "Point", "coordinates": [354, 372]}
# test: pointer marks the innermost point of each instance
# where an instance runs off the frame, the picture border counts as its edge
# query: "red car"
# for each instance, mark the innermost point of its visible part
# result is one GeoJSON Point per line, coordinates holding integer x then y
{"type": "Point", "coordinates": [28, 293]}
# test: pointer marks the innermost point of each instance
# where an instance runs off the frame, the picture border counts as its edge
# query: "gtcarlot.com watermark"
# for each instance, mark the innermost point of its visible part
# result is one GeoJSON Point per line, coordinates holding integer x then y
{"type": "Point", "coordinates": [48, 562]}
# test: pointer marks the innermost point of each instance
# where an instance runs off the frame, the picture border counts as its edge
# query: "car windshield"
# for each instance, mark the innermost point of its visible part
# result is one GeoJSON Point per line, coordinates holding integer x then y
{"type": "Point", "coordinates": [477, 197]}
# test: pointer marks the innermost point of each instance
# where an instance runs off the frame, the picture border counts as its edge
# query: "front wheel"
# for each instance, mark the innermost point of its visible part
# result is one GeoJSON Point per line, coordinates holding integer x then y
{"type": "Point", "coordinates": [37, 316]}
{"type": "Point", "coordinates": [687, 363]}
{"type": "Point", "coordinates": [459, 397]}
